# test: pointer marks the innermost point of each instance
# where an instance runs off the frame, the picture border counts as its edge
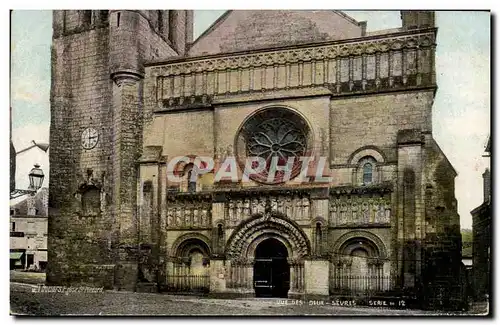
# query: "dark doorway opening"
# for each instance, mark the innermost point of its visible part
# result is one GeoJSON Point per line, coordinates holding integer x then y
{"type": "Point", "coordinates": [42, 265]}
{"type": "Point", "coordinates": [31, 260]}
{"type": "Point", "coordinates": [271, 269]}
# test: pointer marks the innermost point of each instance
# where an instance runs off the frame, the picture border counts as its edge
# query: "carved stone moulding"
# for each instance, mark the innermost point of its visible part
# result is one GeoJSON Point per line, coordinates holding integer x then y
{"type": "Point", "coordinates": [267, 191]}
{"type": "Point", "coordinates": [320, 52]}
{"type": "Point", "coordinates": [245, 237]}
{"type": "Point", "coordinates": [189, 197]}
{"type": "Point", "coordinates": [126, 77]}
{"type": "Point", "coordinates": [179, 103]}
{"type": "Point", "coordinates": [382, 188]}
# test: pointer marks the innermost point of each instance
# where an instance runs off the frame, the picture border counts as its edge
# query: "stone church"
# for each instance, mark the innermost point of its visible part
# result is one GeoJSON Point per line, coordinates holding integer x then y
{"type": "Point", "coordinates": [132, 91]}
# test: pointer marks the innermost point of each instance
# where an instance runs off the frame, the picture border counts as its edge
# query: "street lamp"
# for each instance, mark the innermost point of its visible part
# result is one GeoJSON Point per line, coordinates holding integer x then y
{"type": "Point", "coordinates": [36, 175]}
{"type": "Point", "coordinates": [36, 178]}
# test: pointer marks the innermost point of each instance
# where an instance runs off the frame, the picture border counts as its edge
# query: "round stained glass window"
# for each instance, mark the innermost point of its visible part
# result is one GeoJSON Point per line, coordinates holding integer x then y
{"type": "Point", "coordinates": [276, 135]}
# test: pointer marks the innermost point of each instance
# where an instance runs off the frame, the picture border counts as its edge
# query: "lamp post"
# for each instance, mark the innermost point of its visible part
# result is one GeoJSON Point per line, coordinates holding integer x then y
{"type": "Point", "coordinates": [36, 175]}
{"type": "Point", "coordinates": [43, 146]}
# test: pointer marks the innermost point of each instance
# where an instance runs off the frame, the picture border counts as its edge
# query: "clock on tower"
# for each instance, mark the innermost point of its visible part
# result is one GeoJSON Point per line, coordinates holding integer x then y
{"type": "Point", "coordinates": [90, 137]}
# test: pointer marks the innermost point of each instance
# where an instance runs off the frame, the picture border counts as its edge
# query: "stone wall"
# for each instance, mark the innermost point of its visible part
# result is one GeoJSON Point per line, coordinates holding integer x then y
{"type": "Point", "coordinates": [80, 97]}
{"type": "Point", "coordinates": [87, 47]}
{"type": "Point", "coordinates": [375, 121]}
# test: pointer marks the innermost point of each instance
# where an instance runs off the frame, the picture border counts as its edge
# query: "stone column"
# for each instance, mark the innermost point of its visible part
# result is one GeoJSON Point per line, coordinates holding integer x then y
{"type": "Point", "coordinates": [409, 212]}
{"type": "Point", "coordinates": [169, 272]}
{"type": "Point", "coordinates": [185, 272]}
{"type": "Point", "coordinates": [342, 275]}
{"type": "Point", "coordinates": [373, 279]}
{"type": "Point", "coordinates": [229, 274]}
{"type": "Point", "coordinates": [162, 229]}
{"type": "Point", "coordinates": [218, 218]}
{"type": "Point", "coordinates": [239, 275]}
{"type": "Point", "coordinates": [235, 267]}
{"type": "Point", "coordinates": [383, 283]}
{"type": "Point", "coordinates": [249, 275]}
{"type": "Point", "coordinates": [296, 277]}
{"type": "Point", "coordinates": [293, 277]}
{"type": "Point", "coordinates": [127, 133]}
{"type": "Point", "coordinates": [331, 276]}
{"type": "Point", "coordinates": [300, 280]}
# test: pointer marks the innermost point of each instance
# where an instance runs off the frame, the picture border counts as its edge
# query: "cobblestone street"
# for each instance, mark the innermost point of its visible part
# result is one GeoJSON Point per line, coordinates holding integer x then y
{"type": "Point", "coordinates": [25, 302]}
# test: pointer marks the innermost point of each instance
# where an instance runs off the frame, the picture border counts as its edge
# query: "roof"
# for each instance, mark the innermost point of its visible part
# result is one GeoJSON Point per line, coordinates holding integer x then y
{"type": "Point", "coordinates": [484, 207]}
{"type": "Point", "coordinates": [241, 30]}
{"type": "Point", "coordinates": [40, 203]}
{"type": "Point", "coordinates": [16, 255]}
{"type": "Point", "coordinates": [443, 156]}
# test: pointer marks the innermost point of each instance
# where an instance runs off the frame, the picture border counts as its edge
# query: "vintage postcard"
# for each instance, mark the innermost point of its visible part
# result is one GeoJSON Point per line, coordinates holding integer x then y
{"type": "Point", "coordinates": [250, 163]}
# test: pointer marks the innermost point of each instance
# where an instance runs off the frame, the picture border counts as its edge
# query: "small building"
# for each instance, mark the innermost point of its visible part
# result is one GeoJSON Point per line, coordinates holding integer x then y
{"type": "Point", "coordinates": [467, 255]}
{"type": "Point", "coordinates": [481, 247]}
{"type": "Point", "coordinates": [28, 232]}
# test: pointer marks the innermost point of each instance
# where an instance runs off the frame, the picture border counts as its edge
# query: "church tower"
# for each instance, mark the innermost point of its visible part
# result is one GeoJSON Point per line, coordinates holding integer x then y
{"type": "Point", "coordinates": [98, 61]}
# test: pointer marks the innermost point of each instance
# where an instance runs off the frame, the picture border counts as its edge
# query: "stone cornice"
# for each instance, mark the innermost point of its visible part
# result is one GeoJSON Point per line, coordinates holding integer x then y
{"type": "Point", "coordinates": [189, 197]}
{"type": "Point", "coordinates": [25, 216]}
{"type": "Point", "coordinates": [385, 187]}
{"type": "Point", "coordinates": [361, 226]}
{"type": "Point", "coordinates": [268, 190]}
{"type": "Point", "coordinates": [299, 53]}
{"type": "Point", "coordinates": [296, 93]}
{"type": "Point", "coordinates": [223, 194]}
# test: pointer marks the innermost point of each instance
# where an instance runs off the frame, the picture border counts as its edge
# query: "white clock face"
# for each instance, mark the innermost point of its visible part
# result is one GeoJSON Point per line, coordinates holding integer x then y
{"type": "Point", "coordinates": [89, 138]}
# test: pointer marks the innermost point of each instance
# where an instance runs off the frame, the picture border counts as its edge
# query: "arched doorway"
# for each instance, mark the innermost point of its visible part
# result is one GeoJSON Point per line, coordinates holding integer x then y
{"type": "Point", "coordinates": [241, 250]}
{"type": "Point", "coordinates": [191, 264]}
{"type": "Point", "coordinates": [359, 264]}
{"type": "Point", "coordinates": [360, 273]}
{"type": "Point", "coordinates": [271, 269]}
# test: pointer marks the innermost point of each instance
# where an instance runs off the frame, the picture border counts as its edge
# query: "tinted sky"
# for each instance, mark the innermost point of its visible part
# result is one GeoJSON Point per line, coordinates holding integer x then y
{"type": "Point", "coordinates": [461, 111]}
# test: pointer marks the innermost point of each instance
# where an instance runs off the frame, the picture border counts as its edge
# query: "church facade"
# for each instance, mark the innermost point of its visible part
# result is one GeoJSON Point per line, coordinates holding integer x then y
{"type": "Point", "coordinates": [162, 151]}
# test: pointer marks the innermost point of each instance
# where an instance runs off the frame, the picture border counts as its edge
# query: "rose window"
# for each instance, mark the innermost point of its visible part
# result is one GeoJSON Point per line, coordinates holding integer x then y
{"type": "Point", "coordinates": [276, 137]}
{"type": "Point", "coordinates": [274, 132]}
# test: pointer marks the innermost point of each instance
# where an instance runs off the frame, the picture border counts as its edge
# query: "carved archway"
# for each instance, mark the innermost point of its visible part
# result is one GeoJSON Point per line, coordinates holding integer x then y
{"type": "Point", "coordinates": [358, 259]}
{"type": "Point", "coordinates": [191, 258]}
{"type": "Point", "coordinates": [372, 151]}
{"type": "Point", "coordinates": [352, 240]}
{"type": "Point", "coordinates": [244, 240]}
{"type": "Point", "coordinates": [185, 243]}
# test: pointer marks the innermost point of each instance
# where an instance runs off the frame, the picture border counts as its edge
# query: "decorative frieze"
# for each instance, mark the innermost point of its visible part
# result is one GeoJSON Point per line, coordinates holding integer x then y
{"type": "Point", "coordinates": [293, 206]}
{"type": "Point", "coordinates": [360, 210]}
{"type": "Point", "coordinates": [300, 55]}
{"type": "Point", "coordinates": [197, 216]}
{"type": "Point", "coordinates": [357, 65]}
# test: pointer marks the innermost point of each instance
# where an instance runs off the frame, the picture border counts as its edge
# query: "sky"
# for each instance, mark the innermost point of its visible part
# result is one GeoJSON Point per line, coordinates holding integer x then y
{"type": "Point", "coordinates": [461, 110]}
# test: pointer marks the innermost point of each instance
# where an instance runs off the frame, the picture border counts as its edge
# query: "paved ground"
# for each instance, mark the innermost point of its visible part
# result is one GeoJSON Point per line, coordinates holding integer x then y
{"type": "Point", "coordinates": [27, 277]}
{"type": "Point", "coordinates": [23, 301]}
